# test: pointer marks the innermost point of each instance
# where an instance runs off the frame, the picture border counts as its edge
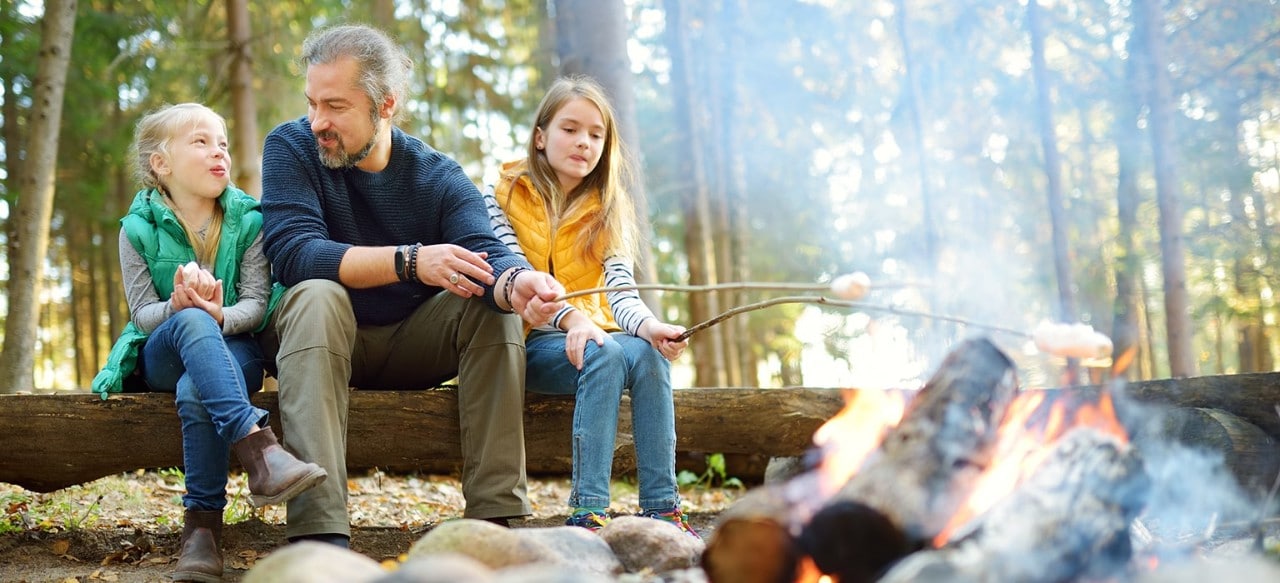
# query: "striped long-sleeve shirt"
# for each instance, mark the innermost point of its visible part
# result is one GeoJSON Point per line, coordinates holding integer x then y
{"type": "Point", "coordinates": [628, 309]}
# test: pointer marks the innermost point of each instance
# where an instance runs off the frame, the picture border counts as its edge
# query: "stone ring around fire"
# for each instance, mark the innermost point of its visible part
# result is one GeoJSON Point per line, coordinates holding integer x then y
{"type": "Point", "coordinates": [453, 279]}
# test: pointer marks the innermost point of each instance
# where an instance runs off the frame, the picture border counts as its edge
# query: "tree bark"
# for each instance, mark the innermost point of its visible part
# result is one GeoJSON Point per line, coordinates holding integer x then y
{"type": "Point", "coordinates": [1129, 354]}
{"type": "Point", "coordinates": [709, 352]}
{"type": "Point", "coordinates": [591, 39]}
{"type": "Point", "coordinates": [58, 440]}
{"type": "Point", "coordinates": [1053, 178]}
{"type": "Point", "coordinates": [247, 169]}
{"type": "Point", "coordinates": [1160, 98]}
{"type": "Point", "coordinates": [35, 208]}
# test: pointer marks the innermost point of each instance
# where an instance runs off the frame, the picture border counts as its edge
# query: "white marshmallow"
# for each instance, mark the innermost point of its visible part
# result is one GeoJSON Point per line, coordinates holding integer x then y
{"type": "Point", "coordinates": [851, 286]}
{"type": "Point", "coordinates": [1071, 340]}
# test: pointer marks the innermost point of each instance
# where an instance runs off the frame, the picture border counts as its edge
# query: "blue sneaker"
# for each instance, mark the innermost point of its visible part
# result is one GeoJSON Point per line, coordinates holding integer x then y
{"type": "Point", "coordinates": [589, 518]}
{"type": "Point", "coordinates": [674, 516]}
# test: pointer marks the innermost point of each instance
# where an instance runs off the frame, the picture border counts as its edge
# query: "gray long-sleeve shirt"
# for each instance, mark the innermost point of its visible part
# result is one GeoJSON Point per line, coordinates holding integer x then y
{"type": "Point", "coordinates": [147, 310]}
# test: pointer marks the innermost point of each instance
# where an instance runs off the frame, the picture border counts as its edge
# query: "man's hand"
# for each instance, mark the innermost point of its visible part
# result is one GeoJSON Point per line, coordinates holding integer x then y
{"type": "Point", "coordinates": [454, 268]}
{"type": "Point", "coordinates": [533, 295]}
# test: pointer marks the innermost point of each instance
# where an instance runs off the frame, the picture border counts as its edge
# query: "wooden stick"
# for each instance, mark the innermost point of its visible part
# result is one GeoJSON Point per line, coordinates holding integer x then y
{"type": "Point", "coordinates": [727, 286]}
{"type": "Point", "coordinates": [844, 303]}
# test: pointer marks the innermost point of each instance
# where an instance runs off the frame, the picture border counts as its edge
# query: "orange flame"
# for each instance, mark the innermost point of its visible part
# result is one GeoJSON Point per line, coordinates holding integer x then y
{"type": "Point", "coordinates": [1021, 447]}
{"type": "Point", "coordinates": [852, 434]}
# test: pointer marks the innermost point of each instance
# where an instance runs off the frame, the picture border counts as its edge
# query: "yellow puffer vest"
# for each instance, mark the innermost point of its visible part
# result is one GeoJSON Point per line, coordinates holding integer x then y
{"type": "Point", "coordinates": [555, 247]}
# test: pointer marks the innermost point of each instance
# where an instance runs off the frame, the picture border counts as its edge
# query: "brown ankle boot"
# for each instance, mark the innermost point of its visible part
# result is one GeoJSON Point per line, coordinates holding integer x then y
{"type": "Point", "coordinates": [201, 557]}
{"type": "Point", "coordinates": [274, 474]}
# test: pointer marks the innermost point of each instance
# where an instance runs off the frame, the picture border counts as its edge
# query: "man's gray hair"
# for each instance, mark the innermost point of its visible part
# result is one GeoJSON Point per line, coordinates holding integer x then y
{"type": "Point", "coordinates": [384, 65]}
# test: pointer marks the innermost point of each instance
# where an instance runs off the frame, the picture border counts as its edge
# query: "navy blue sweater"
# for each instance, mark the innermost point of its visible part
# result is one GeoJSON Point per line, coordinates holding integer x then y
{"type": "Point", "coordinates": [313, 214]}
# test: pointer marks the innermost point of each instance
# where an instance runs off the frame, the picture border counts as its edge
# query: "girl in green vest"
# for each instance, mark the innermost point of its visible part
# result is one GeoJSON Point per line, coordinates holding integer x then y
{"type": "Point", "coordinates": [565, 209]}
{"type": "Point", "coordinates": [198, 287]}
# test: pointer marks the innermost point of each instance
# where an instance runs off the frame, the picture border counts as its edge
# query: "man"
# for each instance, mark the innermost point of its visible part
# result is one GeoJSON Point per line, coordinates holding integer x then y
{"type": "Point", "coordinates": [368, 226]}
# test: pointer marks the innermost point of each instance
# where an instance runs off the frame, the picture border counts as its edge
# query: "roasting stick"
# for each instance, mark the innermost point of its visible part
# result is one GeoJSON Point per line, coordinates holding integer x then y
{"type": "Point", "coordinates": [843, 303]}
{"type": "Point", "coordinates": [1066, 340]}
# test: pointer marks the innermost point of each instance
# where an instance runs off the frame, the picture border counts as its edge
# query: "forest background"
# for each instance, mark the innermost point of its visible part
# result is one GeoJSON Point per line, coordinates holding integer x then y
{"type": "Point", "coordinates": [1001, 163]}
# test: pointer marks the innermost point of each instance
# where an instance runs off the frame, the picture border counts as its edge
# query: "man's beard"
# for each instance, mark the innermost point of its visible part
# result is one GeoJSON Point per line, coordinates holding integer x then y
{"type": "Point", "coordinates": [339, 158]}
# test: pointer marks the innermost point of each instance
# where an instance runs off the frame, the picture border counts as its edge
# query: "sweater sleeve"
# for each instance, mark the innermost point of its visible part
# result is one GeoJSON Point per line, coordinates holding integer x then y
{"type": "Point", "coordinates": [628, 309]}
{"type": "Point", "coordinates": [252, 293]}
{"type": "Point", "coordinates": [295, 236]}
{"type": "Point", "coordinates": [146, 310]}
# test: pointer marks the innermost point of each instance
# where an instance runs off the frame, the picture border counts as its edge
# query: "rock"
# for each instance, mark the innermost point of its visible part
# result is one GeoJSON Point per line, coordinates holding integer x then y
{"type": "Point", "coordinates": [781, 469]}
{"type": "Point", "coordinates": [645, 543]}
{"type": "Point", "coordinates": [488, 543]}
{"type": "Point", "coordinates": [314, 562]}
{"type": "Point", "coordinates": [575, 546]}
{"type": "Point", "coordinates": [548, 573]}
{"type": "Point", "coordinates": [440, 568]}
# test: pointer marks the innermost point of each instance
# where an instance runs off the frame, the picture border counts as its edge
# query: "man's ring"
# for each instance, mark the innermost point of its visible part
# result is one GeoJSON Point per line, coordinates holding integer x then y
{"type": "Point", "coordinates": [453, 279]}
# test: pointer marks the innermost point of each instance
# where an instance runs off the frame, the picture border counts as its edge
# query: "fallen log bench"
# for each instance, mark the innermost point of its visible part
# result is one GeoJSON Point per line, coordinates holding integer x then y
{"type": "Point", "coordinates": [56, 440]}
{"type": "Point", "coordinates": [52, 441]}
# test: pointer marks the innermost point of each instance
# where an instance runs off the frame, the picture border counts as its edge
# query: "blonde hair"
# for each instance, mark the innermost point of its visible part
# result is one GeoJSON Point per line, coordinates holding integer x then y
{"type": "Point", "coordinates": [615, 226]}
{"type": "Point", "coordinates": [152, 136]}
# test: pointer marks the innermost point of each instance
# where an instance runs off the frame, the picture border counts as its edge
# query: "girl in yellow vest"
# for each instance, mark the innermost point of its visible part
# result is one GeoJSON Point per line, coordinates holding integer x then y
{"type": "Point", "coordinates": [198, 286]}
{"type": "Point", "coordinates": [565, 209]}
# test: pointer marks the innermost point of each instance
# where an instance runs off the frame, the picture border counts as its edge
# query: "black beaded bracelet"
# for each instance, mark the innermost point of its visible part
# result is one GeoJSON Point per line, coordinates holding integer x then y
{"type": "Point", "coordinates": [510, 284]}
{"type": "Point", "coordinates": [411, 266]}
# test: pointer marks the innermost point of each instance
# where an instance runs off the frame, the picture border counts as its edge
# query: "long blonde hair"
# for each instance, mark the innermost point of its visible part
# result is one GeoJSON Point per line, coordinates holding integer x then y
{"type": "Point", "coordinates": [152, 136]}
{"type": "Point", "coordinates": [616, 224]}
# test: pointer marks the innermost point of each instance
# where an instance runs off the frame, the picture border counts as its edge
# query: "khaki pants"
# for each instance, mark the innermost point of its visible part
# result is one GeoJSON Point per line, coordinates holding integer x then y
{"type": "Point", "coordinates": [320, 352]}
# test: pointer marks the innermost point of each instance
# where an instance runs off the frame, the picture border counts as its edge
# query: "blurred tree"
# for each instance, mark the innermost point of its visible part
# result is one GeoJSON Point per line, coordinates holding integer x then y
{"type": "Point", "coordinates": [35, 206]}
{"type": "Point", "coordinates": [591, 39]}
{"type": "Point", "coordinates": [1159, 97]}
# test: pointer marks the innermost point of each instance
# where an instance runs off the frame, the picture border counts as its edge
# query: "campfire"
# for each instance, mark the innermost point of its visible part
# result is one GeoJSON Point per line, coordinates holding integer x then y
{"type": "Point", "coordinates": [965, 479]}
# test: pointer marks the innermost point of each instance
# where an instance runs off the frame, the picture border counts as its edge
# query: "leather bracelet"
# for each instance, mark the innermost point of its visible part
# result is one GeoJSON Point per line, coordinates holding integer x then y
{"type": "Point", "coordinates": [510, 284]}
{"type": "Point", "coordinates": [411, 266]}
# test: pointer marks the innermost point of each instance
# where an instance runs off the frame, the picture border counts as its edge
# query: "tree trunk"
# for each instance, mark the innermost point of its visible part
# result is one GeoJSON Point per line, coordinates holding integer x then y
{"type": "Point", "coordinates": [383, 14]}
{"type": "Point", "coordinates": [247, 168]}
{"type": "Point", "coordinates": [35, 209]}
{"type": "Point", "coordinates": [1053, 179]}
{"type": "Point", "coordinates": [740, 336]}
{"type": "Point", "coordinates": [1126, 333]}
{"type": "Point", "coordinates": [709, 362]}
{"type": "Point", "coordinates": [591, 39]}
{"type": "Point", "coordinates": [1160, 99]}
{"type": "Point", "coordinates": [914, 97]}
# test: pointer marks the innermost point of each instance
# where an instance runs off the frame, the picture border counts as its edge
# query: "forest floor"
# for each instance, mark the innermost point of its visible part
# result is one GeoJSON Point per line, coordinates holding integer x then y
{"type": "Point", "coordinates": [125, 528]}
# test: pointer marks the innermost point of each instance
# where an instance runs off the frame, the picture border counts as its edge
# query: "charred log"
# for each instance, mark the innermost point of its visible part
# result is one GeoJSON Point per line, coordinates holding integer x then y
{"type": "Point", "coordinates": [752, 542]}
{"type": "Point", "coordinates": [905, 492]}
{"type": "Point", "coordinates": [1070, 519]}
{"type": "Point", "coordinates": [926, 466]}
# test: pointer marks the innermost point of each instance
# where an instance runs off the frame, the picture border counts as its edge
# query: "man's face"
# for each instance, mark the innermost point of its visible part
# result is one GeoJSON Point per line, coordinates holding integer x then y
{"type": "Point", "coordinates": [342, 117]}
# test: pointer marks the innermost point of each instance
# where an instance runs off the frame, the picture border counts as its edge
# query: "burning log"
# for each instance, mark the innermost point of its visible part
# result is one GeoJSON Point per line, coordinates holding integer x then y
{"type": "Point", "coordinates": [903, 495]}
{"type": "Point", "coordinates": [927, 465]}
{"type": "Point", "coordinates": [1070, 519]}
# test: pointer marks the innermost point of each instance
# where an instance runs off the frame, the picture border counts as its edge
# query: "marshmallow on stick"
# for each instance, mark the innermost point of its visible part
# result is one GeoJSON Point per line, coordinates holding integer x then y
{"type": "Point", "coordinates": [851, 286]}
{"type": "Point", "coordinates": [1071, 340]}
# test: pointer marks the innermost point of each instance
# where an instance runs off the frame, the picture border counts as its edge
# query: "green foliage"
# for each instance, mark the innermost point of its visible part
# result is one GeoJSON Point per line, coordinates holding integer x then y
{"type": "Point", "coordinates": [57, 511]}
{"type": "Point", "coordinates": [709, 478]}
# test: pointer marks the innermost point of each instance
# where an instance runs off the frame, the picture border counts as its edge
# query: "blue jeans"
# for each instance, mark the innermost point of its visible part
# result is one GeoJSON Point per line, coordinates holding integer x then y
{"type": "Point", "coordinates": [212, 377]}
{"type": "Point", "coordinates": [623, 363]}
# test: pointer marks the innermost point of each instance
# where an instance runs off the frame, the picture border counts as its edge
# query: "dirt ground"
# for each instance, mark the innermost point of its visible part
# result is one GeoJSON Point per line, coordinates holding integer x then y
{"type": "Point", "coordinates": [126, 529]}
